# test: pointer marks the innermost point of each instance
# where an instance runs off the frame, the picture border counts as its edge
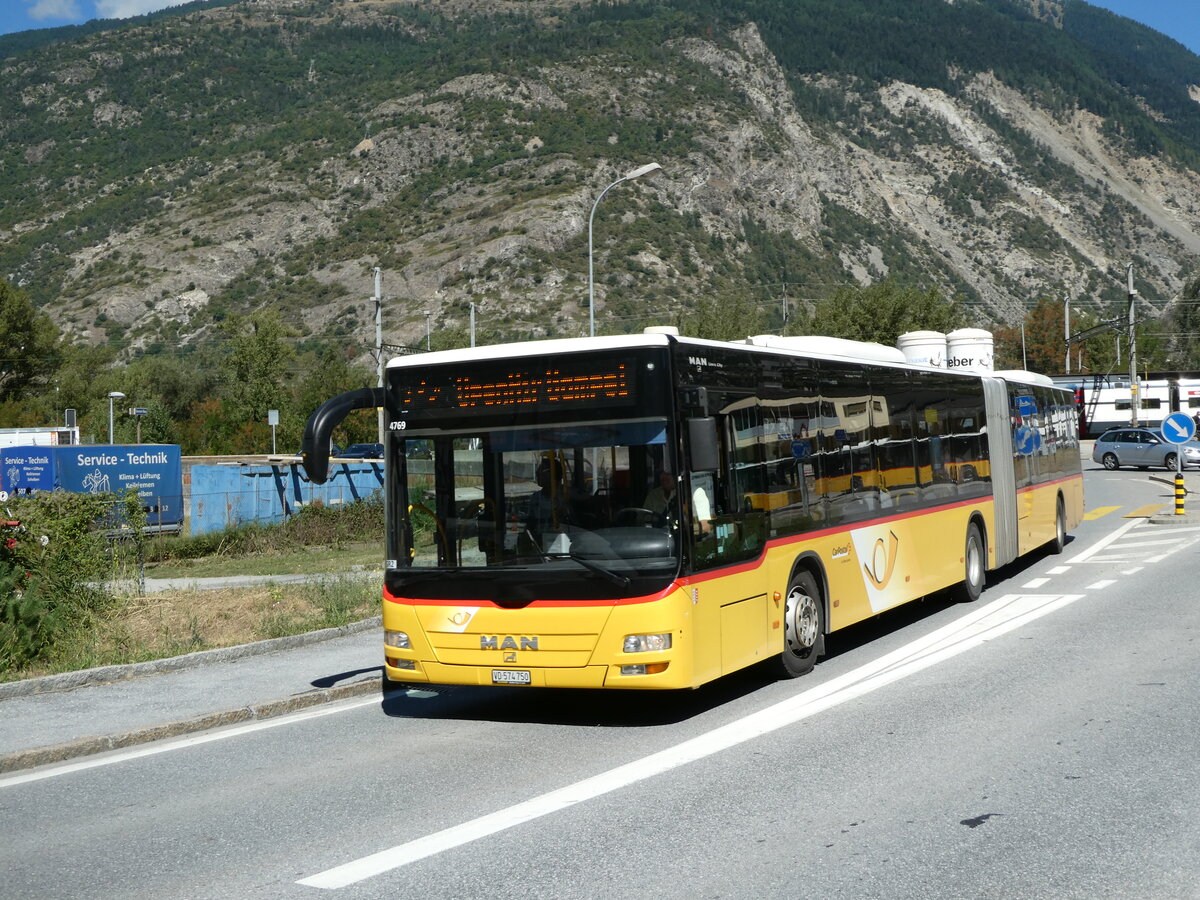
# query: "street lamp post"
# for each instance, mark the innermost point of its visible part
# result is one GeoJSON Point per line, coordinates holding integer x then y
{"type": "Point", "coordinates": [648, 169]}
{"type": "Point", "coordinates": [112, 395]}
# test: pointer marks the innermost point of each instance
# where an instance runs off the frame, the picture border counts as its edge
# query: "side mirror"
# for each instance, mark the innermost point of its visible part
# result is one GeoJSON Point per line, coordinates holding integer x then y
{"type": "Point", "coordinates": [314, 449]}
{"type": "Point", "coordinates": [702, 444]}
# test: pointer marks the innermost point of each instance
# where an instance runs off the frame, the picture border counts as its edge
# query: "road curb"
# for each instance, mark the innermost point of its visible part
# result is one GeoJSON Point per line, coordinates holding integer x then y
{"type": "Point", "coordinates": [67, 681]}
{"type": "Point", "coordinates": [89, 746]}
{"type": "Point", "coordinates": [1172, 519]}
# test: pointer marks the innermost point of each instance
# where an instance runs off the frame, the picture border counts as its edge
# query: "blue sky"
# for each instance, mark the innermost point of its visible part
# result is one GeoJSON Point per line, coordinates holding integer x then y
{"type": "Point", "coordinates": [1178, 18]}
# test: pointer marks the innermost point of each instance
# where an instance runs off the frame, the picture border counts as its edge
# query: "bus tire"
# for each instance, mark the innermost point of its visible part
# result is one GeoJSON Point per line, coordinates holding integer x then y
{"type": "Point", "coordinates": [974, 566]}
{"type": "Point", "coordinates": [803, 627]}
{"type": "Point", "coordinates": [1060, 529]}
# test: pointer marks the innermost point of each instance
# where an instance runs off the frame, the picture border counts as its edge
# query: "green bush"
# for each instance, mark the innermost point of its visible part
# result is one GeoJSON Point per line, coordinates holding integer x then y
{"type": "Point", "coordinates": [311, 526]}
{"type": "Point", "coordinates": [55, 560]}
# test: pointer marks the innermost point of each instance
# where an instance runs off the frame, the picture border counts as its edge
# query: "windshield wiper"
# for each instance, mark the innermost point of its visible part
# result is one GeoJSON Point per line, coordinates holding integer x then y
{"type": "Point", "coordinates": [615, 577]}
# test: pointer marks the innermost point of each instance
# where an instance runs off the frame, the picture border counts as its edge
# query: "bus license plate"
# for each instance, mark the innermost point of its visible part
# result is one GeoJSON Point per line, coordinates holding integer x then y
{"type": "Point", "coordinates": [511, 676]}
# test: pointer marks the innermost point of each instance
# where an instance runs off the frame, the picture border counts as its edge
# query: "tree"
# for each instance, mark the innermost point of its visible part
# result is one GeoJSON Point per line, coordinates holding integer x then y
{"type": "Point", "coordinates": [725, 317]}
{"type": "Point", "coordinates": [326, 375]}
{"type": "Point", "coordinates": [882, 312]}
{"type": "Point", "coordinates": [253, 371]}
{"type": "Point", "coordinates": [1040, 348]}
{"type": "Point", "coordinates": [30, 345]}
{"type": "Point", "coordinates": [1044, 350]}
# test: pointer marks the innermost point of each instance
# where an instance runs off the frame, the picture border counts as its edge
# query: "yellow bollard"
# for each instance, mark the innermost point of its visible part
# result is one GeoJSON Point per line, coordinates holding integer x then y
{"type": "Point", "coordinates": [1180, 493]}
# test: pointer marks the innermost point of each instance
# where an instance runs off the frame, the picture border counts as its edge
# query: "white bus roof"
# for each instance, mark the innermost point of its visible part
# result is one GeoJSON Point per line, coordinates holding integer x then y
{"type": "Point", "coordinates": [814, 346]}
{"type": "Point", "coordinates": [530, 348]}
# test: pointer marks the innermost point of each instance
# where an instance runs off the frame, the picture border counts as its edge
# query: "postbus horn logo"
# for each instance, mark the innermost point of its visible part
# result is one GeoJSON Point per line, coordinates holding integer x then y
{"type": "Point", "coordinates": [883, 561]}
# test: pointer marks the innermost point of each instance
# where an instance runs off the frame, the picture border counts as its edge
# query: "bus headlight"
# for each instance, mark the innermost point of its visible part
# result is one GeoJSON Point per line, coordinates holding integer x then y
{"type": "Point", "coordinates": [646, 643]}
{"type": "Point", "coordinates": [397, 639]}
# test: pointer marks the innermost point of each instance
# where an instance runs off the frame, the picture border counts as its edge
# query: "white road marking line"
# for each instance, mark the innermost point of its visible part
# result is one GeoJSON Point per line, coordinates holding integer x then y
{"type": "Point", "coordinates": [1132, 571]}
{"type": "Point", "coordinates": [1034, 583]}
{"type": "Point", "coordinates": [166, 746]}
{"type": "Point", "coordinates": [1100, 585]}
{"type": "Point", "coordinates": [970, 631]}
{"type": "Point", "coordinates": [1059, 570]}
{"type": "Point", "coordinates": [1108, 539]}
{"type": "Point", "coordinates": [1137, 545]}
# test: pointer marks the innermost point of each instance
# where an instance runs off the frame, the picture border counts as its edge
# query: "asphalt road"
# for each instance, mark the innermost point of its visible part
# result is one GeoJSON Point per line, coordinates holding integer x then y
{"type": "Point", "coordinates": [1037, 743]}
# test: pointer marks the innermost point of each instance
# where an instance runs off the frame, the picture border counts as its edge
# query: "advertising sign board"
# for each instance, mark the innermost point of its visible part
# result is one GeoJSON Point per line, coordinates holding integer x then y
{"type": "Point", "coordinates": [27, 468]}
{"type": "Point", "coordinates": [155, 471]}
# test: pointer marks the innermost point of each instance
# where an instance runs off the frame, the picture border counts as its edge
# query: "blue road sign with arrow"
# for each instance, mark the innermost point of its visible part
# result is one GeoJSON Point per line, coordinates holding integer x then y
{"type": "Point", "coordinates": [1178, 428]}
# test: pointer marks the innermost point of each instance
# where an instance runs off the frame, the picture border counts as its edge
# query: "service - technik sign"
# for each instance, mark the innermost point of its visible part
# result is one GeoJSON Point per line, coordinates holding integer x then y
{"type": "Point", "coordinates": [24, 469]}
{"type": "Point", "coordinates": [153, 470]}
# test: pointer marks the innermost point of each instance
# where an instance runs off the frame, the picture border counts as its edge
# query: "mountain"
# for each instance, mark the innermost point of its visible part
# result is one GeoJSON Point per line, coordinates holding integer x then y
{"type": "Point", "coordinates": [159, 177]}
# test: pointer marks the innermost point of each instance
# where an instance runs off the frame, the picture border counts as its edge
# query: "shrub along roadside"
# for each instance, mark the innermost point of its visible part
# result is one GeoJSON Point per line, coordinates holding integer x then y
{"type": "Point", "coordinates": [58, 612]}
{"type": "Point", "coordinates": [324, 526]}
{"type": "Point", "coordinates": [156, 626]}
{"type": "Point", "coordinates": [56, 551]}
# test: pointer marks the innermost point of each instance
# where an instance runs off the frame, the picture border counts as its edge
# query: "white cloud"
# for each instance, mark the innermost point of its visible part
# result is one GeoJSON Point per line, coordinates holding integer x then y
{"type": "Point", "coordinates": [123, 9]}
{"type": "Point", "coordinates": [55, 9]}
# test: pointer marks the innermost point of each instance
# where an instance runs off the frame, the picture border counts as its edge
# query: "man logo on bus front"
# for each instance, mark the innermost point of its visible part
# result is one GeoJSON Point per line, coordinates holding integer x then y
{"type": "Point", "coordinates": [883, 561]}
{"type": "Point", "coordinates": [493, 642]}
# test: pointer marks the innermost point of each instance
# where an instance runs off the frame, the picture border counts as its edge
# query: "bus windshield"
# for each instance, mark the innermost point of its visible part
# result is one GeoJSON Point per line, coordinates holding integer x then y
{"type": "Point", "coordinates": [499, 505]}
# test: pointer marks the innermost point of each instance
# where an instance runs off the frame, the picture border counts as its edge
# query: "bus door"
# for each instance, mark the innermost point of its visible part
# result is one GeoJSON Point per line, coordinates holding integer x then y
{"type": "Point", "coordinates": [726, 526]}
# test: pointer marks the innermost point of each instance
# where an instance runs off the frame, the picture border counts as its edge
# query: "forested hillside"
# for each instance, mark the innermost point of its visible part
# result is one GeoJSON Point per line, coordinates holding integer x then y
{"type": "Point", "coordinates": [234, 171]}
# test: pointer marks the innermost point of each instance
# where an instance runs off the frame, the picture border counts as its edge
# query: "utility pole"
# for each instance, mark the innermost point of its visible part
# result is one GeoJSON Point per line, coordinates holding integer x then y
{"type": "Point", "coordinates": [1067, 331]}
{"type": "Point", "coordinates": [472, 323]}
{"type": "Point", "coordinates": [379, 338]}
{"type": "Point", "coordinates": [1134, 399]}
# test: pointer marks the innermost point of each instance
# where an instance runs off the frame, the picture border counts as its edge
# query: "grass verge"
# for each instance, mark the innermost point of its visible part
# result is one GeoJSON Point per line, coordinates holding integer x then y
{"type": "Point", "coordinates": [299, 561]}
{"type": "Point", "coordinates": [172, 623]}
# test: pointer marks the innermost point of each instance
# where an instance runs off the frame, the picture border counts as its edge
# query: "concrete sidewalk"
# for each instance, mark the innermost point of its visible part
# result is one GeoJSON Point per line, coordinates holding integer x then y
{"type": "Point", "coordinates": [60, 717]}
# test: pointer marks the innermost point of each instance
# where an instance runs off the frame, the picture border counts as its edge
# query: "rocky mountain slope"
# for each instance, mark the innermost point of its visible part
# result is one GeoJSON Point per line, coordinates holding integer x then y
{"type": "Point", "coordinates": [157, 178]}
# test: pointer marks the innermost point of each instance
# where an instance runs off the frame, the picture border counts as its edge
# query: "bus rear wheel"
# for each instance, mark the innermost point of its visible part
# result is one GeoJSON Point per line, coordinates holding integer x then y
{"type": "Point", "coordinates": [974, 566]}
{"type": "Point", "coordinates": [803, 627]}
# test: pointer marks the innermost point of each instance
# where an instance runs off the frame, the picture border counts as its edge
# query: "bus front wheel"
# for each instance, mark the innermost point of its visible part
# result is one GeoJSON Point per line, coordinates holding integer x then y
{"type": "Point", "coordinates": [1060, 528]}
{"type": "Point", "coordinates": [974, 566]}
{"type": "Point", "coordinates": [803, 627]}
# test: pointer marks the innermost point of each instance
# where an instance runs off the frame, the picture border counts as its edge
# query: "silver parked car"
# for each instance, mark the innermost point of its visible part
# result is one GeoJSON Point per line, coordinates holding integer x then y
{"type": "Point", "coordinates": [1141, 447]}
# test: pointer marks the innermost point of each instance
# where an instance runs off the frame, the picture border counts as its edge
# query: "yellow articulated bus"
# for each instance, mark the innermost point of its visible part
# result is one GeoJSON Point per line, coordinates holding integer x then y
{"type": "Point", "coordinates": [654, 512]}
